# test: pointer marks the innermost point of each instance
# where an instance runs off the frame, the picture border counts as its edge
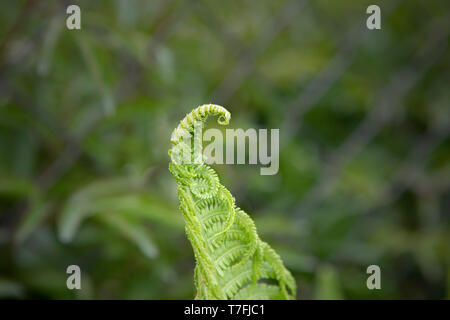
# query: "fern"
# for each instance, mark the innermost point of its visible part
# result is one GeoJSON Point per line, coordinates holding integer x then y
{"type": "Point", "coordinates": [231, 260]}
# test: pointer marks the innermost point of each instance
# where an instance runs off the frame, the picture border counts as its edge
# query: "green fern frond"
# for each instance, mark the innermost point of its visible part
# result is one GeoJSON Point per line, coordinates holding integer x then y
{"type": "Point", "coordinates": [231, 260]}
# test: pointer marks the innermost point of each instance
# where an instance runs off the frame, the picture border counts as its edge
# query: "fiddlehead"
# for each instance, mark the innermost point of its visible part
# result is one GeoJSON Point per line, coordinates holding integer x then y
{"type": "Point", "coordinates": [231, 260]}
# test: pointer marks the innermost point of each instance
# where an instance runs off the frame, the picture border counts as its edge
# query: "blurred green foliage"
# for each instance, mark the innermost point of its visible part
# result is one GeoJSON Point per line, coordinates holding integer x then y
{"type": "Point", "coordinates": [86, 116]}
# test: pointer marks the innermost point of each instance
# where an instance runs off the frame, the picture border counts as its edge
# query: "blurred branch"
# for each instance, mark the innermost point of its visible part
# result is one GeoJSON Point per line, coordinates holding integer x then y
{"type": "Point", "coordinates": [409, 173]}
{"type": "Point", "coordinates": [15, 28]}
{"type": "Point", "coordinates": [413, 168]}
{"type": "Point", "coordinates": [328, 76]}
{"type": "Point", "coordinates": [168, 17]}
{"type": "Point", "coordinates": [383, 111]}
{"type": "Point", "coordinates": [247, 56]}
{"type": "Point", "coordinates": [72, 151]}
{"type": "Point", "coordinates": [210, 19]}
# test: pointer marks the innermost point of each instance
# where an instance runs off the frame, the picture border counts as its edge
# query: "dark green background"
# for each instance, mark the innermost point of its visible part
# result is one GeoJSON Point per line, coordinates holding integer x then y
{"type": "Point", "coordinates": [86, 117]}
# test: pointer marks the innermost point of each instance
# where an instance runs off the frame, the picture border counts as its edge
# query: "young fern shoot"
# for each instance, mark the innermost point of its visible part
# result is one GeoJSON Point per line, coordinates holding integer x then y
{"type": "Point", "coordinates": [231, 260]}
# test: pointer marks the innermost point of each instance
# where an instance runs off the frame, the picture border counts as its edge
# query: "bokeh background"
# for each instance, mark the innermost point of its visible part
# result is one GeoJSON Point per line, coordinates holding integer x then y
{"type": "Point", "coordinates": [86, 117]}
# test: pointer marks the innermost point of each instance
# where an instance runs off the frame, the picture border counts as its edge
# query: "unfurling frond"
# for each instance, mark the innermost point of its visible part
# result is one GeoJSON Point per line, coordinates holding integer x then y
{"type": "Point", "coordinates": [231, 260]}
